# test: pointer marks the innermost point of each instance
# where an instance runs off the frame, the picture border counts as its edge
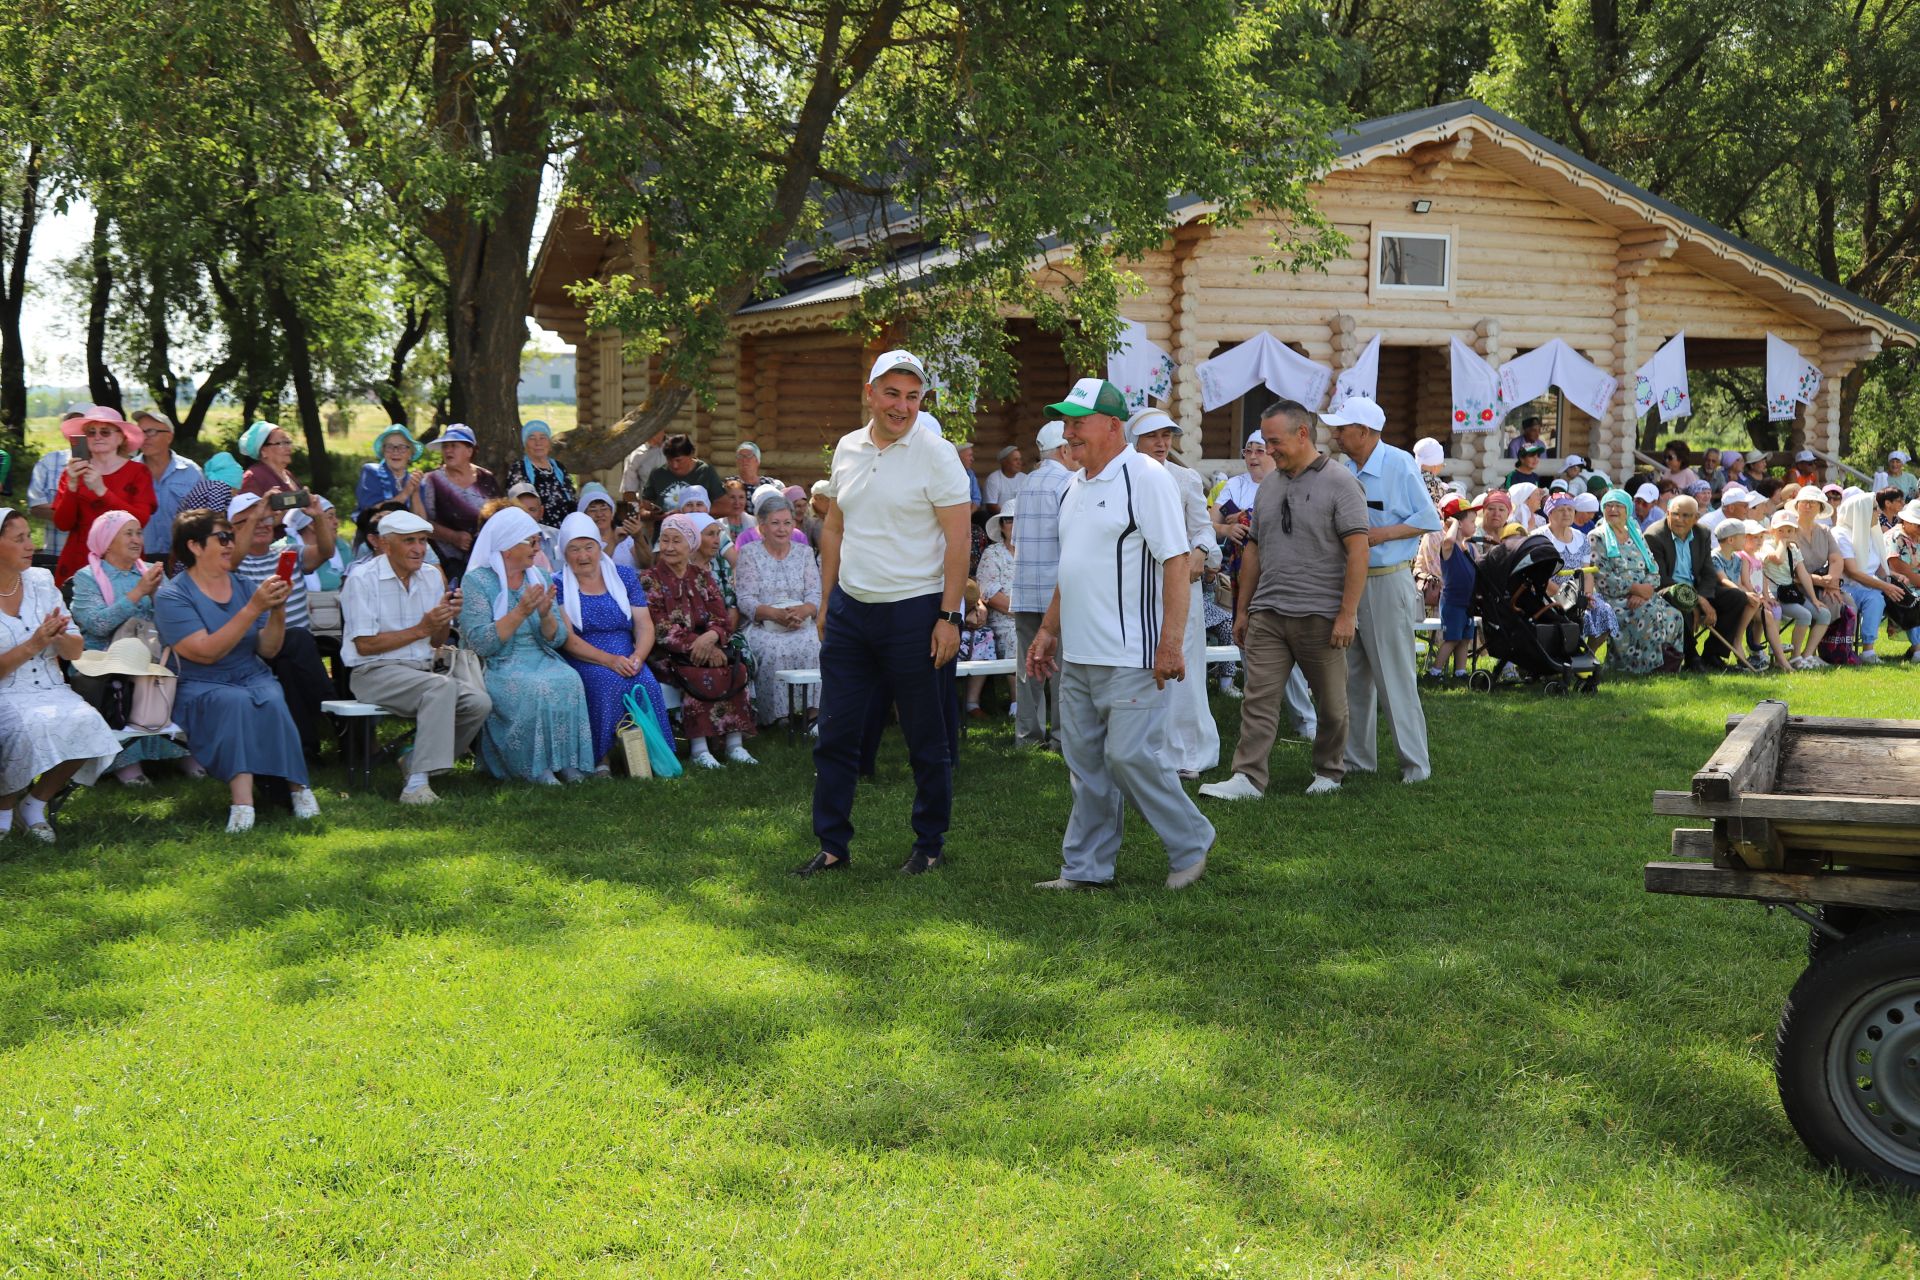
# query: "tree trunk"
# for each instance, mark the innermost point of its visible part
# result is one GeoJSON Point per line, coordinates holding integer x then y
{"type": "Point", "coordinates": [101, 384]}
{"type": "Point", "coordinates": [13, 351]}
{"type": "Point", "coordinates": [189, 428]}
{"type": "Point", "coordinates": [293, 327]}
{"type": "Point", "coordinates": [488, 291]}
{"type": "Point", "coordinates": [1849, 397]}
{"type": "Point", "coordinates": [163, 384]}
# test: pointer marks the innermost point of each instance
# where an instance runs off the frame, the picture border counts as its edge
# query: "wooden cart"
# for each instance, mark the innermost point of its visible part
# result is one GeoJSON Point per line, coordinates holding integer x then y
{"type": "Point", "coordinates": [1821, 817]}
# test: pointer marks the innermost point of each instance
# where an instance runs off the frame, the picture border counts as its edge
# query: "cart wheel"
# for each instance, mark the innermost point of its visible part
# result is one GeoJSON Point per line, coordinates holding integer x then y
{"type": "Point", "coordinates": [1848, 920]}
{"type": "Point", "coordinates": [1481, 682]}
{"type": "Point", "coordinates": [1847, 1057]}
{"type": "Point", "coordinates": [1555, 688]}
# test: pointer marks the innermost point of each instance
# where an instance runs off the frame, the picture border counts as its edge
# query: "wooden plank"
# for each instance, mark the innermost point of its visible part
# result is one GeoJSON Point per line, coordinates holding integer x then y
{"type": "Point", "coordinates": [1819, 763]}
{"type": "Point", "coordinates": [1791, 808]}
{"type": "Point", "coordinates": [1746, 760]}
{"type": "Point", "coordinates": [1851, 889]}
{"type": "Point", "coordinates": [1693, 843]}
{"type": "Point", "coordinates": [1858, 728]}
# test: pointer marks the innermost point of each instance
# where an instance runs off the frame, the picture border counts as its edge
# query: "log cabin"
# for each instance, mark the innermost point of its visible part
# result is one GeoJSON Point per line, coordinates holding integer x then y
{"type": "Point", "coordinates": [1515, 239]}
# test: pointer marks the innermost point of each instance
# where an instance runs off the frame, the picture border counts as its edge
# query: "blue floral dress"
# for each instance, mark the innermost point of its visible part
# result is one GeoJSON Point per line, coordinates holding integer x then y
{"type": "Point", "coordinates": [539, 722]}
{"type": "Point", "coordinates": [603, 626]}
{"type": "Point", "coordinates": [98, 621]}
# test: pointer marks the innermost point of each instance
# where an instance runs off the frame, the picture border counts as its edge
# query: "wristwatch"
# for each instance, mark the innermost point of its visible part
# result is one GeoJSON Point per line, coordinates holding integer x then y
{"type": "Point", "coordinates": [957, 618]}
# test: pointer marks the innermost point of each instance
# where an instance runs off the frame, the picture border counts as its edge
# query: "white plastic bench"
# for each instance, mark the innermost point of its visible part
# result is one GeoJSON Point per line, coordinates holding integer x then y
{"type": "Point", "coordinates": [362, 746]}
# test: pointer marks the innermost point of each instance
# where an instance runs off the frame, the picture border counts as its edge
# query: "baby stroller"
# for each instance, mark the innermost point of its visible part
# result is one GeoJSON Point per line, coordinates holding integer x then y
{"type": "Point", "coordinates": [1530, 611]}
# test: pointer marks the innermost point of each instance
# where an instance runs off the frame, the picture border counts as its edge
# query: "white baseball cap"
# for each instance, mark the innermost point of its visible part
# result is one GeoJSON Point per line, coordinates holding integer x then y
{"type": "Point", "coordinates": [1051, 436]}
{"type": "Point", "coordinates": [1585, 502]}
{"type": "Point", "coordinates": [241, 503]}
{"type": "Point", "coordinates": [402, 522]}
{"type": "Point", "coordinates": [1735, 493]}
{"type": "Point", "coordinates": [1149, 420]}
{"type": "Point", "coordinates": [895, 361]}
{"type": "Point", "coordinates": [1427, 452]}
{"type": "Point", "coordinates": [1647, 493]}
{"type": "Point", "coordinates": [1805, 455]}
{"type": "Point", "coordinates": [1574, 460]}
{"type": "Point", "coordinates": [1357, 411]}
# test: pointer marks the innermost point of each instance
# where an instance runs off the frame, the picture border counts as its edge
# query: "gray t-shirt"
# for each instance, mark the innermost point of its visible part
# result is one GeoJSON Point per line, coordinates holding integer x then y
{"type": "Point", "coordinates": [1299, 523]}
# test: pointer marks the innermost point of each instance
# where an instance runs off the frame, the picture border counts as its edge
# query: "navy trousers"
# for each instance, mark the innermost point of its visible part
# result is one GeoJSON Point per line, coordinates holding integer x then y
{"type": "Point", "coordinates": [872, 651]}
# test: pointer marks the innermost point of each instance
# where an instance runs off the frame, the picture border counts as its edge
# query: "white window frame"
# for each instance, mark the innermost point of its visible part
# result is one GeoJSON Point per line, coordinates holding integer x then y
{"type": "Point", "coordinates": [1448, 235]}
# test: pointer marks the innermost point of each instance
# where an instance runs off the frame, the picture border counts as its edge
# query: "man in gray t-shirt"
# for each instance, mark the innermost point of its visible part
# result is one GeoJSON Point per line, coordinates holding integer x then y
{"type": "Point", "coordinates": [1297, 601]}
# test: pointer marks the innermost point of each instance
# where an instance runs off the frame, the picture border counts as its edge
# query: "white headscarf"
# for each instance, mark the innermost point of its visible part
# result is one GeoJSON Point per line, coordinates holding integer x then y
{"type": "Point", "coordinates": [1859, 522]}
{"type": "Point", "coordinates": [507, 526]}
{"type": "Point", "coordinates": [1527, 517]}
{"type": "Point", "coordinates": [581, 525]}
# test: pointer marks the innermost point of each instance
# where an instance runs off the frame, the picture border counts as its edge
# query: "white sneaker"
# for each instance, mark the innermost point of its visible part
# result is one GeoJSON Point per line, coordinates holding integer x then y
{"type": "Point", "coordinates": [1181, 879]}
{"type": "Point", "coordinates": [239, 818]}
{"type": "Point", "coordinates": [738, 755]}
{"type": "Point", "coordinates": [1869, 657]}
{"type": "Point", "coordinates": [419, 795]}
{"type": "Point", "coordinates": [704, 759]}
{"type": "Point", "coordinates": [306, 805]}
{"type": "Point", "coordinates": [1321, 786]}
{"type": "Point", "coordinates": [1238, 787]}
{"type": "Point", "coordinates": [1231, 691]}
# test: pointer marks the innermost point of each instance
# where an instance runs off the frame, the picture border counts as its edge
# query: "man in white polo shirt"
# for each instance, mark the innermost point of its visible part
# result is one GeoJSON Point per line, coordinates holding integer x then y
{"type": "Point", "coordinates": [893, 568]}
{"type": "Point", "coordinates": [395, 612]}
{"type": "Point", "coordinates": [1118, 622]}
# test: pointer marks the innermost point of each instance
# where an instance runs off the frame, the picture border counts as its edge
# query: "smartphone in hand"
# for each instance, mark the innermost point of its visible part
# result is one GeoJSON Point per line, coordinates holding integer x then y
{"type": "Point", "coordinates": [299, 498]}
{"type": "Point", "coordinates": [284, 569]}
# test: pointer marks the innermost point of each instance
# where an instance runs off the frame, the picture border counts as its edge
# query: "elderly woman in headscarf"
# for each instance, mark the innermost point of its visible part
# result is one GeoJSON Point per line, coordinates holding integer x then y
{"type": "Point", "coordinates": [746, 456]}
{"type": "Point", "coordinates": [118, 587]}
{"type": "Point", "coordinates": [778, 587]}
{"type": "Point", "coordinates": [100, 477]}
{"type": "Point", "coordinates": [1576, 556]}
{"type": "Point", "coordinates": [390, 475]}
{"type": "Point", "coordinates": [611, 634]}
{"type": "Point", "coordinates": [49, 736]}
{"type": "Point", "coordinates": [219, 479]}
{"type": "Point", "coordinates": [539, 729]}
{"type": "Point", "coordinates": [794, 496]}
{"type": "Point", "coordinates": [269, 447]}
{"type": "Point", "coordinates": [692, 628]}
{"type": "Point", "coordinates": [543, 471]}
{"type": "Point", "coordinates": [1627, 580]}
{"type": "Point", "coordinates": [451, 497]}
{"type": "Point", "coordinates": [1527, 498]}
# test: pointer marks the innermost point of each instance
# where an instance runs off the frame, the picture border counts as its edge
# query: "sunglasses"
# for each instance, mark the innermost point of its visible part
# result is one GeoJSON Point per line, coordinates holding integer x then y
{"type": "Point", "coordinates": [104, 433]}
{"type": "Point", "coordinates": [222, 536]}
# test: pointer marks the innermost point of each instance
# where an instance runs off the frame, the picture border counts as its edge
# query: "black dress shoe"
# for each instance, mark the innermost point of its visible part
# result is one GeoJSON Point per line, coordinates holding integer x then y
{"type": "Point", "coordinates": [920, 863]}
{"type": "Point", "coordinates": [823, 861]}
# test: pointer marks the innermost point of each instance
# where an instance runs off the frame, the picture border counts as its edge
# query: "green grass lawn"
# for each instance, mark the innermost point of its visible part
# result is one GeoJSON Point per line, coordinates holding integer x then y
{"type": "Point", "coordinates": [601, 1032]}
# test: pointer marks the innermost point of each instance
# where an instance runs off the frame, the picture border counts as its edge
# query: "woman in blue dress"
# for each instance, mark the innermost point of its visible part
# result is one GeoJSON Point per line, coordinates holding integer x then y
{"type": "Point", "coordinates": [389, 476]}
{"type": "Point", "coordinates": [539, 727]}
{"type": "Point", "coordinates": [220, 628]}
{"type": "Point", "coordinates": [116, 587]}
{"type": "Point", "coordinates": [606, 608]}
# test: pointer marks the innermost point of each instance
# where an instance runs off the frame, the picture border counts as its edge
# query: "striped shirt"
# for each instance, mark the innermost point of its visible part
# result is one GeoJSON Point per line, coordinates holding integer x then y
{"type": "Point", "coordinates": [257, 569]}
{"type": "Point", "coordinates": [1036, 537]}
{"type": "Point", "coordinates": [1117, 530]}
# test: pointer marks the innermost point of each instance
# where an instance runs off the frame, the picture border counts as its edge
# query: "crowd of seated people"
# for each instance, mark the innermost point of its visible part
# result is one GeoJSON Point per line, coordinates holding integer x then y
{"type": "Point", "coordinates": [528, 628]}
{"type": "Point", "coordinates": [1713, 564]}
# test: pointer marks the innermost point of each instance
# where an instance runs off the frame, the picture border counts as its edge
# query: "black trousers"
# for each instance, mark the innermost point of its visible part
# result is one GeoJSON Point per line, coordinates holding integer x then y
{"type": "Point", "coordinates": [304, 679]}
{"type": "Point", "coordinates": [871, 649]}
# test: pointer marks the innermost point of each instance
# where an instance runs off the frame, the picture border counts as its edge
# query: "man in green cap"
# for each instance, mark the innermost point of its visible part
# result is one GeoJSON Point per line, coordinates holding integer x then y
{"type": "Point", "coordinates": [1116, 631]}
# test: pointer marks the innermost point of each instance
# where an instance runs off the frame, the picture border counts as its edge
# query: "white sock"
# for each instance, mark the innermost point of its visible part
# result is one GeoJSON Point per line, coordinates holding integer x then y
{"type": "Point", "coordinates": [6, 821]}
{"type": "Point", "coordinates": [415, 781]}
{"type": "Point", "coordinates": [733, 742]}
{"type": "Point", "coordinates": [32, 811]}
{"type": "Point", "coordinates": [697, 747]}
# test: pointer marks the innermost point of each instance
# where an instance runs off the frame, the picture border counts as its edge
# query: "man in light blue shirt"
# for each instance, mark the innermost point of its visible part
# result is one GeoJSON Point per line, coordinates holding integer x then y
{"type": "Point", "coordinates": [173, 479]}
{"type": "Point", "coordinates": [1380, 662]}
{"type": "Point", "coordinates": [1036, 572]}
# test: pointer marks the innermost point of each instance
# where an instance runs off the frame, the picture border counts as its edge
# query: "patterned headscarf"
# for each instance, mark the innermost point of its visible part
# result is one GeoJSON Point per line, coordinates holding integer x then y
{"type": "Point", "coordinates": [99, 538]}
{"type": "Point", "coordinates": [1621, 499]}
{"type": "Point", "coordinates": [689, 525]}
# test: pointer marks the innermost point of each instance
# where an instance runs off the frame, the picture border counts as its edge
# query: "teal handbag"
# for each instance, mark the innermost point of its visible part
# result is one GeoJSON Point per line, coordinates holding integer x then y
{"type": "Point", "coordinates": [660, 755]}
